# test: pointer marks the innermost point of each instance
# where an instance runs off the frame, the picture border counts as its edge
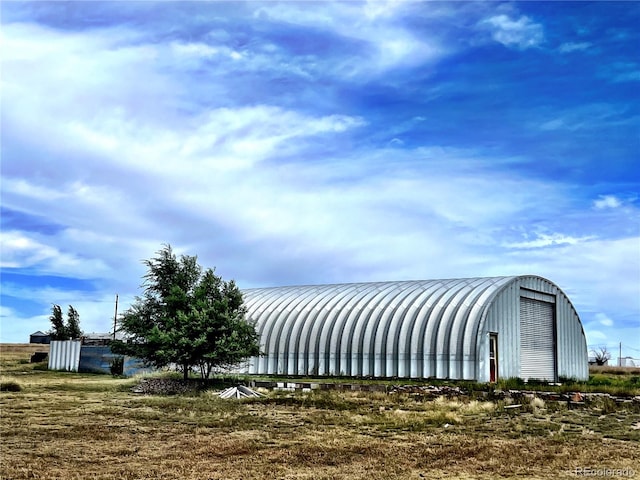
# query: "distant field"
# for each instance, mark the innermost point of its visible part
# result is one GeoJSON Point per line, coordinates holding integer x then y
{"type": "Point", "coordinates": [613, 370]}
{"type": "Point", "coordinates": [58, 425]}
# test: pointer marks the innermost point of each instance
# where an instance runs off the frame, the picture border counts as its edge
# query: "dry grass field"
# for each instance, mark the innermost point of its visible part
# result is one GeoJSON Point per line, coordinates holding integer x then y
{"type": "Point", "coordinates": [77, 426]}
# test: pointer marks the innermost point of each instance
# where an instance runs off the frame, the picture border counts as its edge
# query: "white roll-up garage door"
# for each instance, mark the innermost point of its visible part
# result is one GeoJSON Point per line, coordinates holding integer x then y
{"type": "Point", "coordinates": [537, 340]}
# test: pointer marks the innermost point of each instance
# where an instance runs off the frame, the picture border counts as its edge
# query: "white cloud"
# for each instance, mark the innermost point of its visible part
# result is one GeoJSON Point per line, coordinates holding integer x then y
{"type": "Point", "coordinates": [27, 189]}
{"type": "Point", "coordinates": [16, 328]}
{"type": "Point", "coordinates": [555, 124]}
{"type": "Point", "coordinates": [202, 51]}
{"type": "Point", "coordinates": [127, 158]}
{"type": "Point", "coordinates": [633, 76]}
{"type": "Point", "coordinates": [574, 47]}
{"type": "Point", "coordinates": [594, 273]}
{"type": "Point", "coordinates": [375, 23]}
{"type": "Point", "coordinates": [606, 201]}
{"type": "Point", "coordinates": [382, 8]}
{"type": "Point", "coordinates": [621, 72]}
{"type": "Point", "coordinates": [22, 251]}
{"type": "Point", "coordinates": [545, 240]}
{"type": "Point", "coordinates": [594, 117]}
{"type": "Point", "coordinates": [522, 33]}
{"type": "Point", "coordinates": [194, 49]}
{"type": "Point", "coordinates": [96, 312]}
{"type": "Point", "coordinates": [604, 320]}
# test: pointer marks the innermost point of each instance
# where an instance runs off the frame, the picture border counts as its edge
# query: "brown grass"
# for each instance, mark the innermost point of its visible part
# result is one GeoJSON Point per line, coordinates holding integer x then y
{"type": "Point", "coordinates": [614, 370]}
{"type": "Point", "coordinates": [76, 426]}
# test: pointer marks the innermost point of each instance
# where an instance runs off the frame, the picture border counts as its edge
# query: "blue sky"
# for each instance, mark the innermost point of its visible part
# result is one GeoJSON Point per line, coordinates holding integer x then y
{"type": "Point", "coordinates": [317, 142]}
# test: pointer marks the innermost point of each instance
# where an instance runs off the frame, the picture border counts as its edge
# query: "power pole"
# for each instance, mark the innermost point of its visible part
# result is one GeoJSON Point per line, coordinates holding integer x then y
{"type": "Point", "coordinates": [115, 318]}
{"type": "Point", "coordinates": [620, 356]}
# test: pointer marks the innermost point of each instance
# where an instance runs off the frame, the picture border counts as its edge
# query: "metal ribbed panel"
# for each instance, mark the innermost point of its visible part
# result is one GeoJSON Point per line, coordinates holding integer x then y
{"type": "Point", "coordinates": [379, 329]}
{"type": "Point", "coordinates": [431, 328]}
{"type": "Point", "coordinates": [537, 340]}
{"type": "Point", "coordinates": [64, 355]}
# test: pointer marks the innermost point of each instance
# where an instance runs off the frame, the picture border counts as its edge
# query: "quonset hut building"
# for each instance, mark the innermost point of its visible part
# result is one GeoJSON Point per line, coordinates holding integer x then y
{"type": "Point", "coordinates": [476, 329]}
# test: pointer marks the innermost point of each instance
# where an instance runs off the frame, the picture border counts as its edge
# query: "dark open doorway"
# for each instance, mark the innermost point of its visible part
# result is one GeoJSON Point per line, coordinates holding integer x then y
{"type": "Point", "coordinates": [493, 357]}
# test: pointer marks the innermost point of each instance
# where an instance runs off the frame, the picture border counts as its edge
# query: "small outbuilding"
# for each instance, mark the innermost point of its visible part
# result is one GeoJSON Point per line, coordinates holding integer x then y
{"type": "Point", "coordinates": [40, 337]}
{"type": "Point", "coordinates": [478, 329]}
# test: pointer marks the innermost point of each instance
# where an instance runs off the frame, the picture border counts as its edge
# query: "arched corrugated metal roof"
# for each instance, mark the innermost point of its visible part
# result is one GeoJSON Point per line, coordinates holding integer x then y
{"type": "Point", "coordinates": [384, 329]}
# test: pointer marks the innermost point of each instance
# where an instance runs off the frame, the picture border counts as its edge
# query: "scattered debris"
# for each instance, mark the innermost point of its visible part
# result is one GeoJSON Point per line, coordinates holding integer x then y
{"type": "Point", "coordinates": [429, 390]}
{"type": "Point", "coordinates": [239, 392]}
{"type": "Point", "coordinates": [164, 386]}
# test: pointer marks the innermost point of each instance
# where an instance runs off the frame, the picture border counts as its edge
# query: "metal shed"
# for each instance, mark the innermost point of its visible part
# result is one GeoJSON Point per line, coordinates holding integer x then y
{"type": "Point", "coordinates": [476, 328]}
{"type": "Point", "coordinates": [40, 337]}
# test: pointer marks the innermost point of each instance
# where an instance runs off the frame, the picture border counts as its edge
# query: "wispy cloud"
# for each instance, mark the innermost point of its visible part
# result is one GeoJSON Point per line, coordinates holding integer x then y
{"type": "Point", "coordinates": [521, 33]}
{"type": "Point", "coordinates": [604, 320]}
{"type": "Point", "coordinates": [389, 44]}
{"type": "Point", "coordinates": [307, 143]}
{"type": "Point", "coordinates": [623, 72]}
{"type": "Point", "coordinates": [574, 47]}
{"type": "Point", "coordinates": [22, 251]}
{"type": "Point", "coordinates": [589, 117]}
{"type": "Point", "coordinates": [546, 240]}
{"type": "Point", "coordinates": [606, 201]}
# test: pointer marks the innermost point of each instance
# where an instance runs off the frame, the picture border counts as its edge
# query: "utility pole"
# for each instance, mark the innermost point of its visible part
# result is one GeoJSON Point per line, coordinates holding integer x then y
{"type": "Point", "coordinates": [620, 356]}
{"type": "Point", "coordinates": [115, 318]}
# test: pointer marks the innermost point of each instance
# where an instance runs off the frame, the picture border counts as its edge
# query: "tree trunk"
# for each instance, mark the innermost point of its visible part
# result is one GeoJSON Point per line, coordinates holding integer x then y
{"type": "Point", "coordinates": [185, 371]}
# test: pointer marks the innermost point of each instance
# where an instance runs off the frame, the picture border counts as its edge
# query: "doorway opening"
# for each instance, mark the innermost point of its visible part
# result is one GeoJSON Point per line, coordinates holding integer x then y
{"type": "Point", "coordinates": [493, 357]}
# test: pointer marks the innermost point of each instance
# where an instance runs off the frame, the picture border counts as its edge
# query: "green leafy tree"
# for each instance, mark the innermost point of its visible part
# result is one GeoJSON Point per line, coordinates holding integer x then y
{"type": "Point", "coordinates": [73, 324]}
{"type": "Point", "coordinates": [61, 331]}
{"type": "Point", "coordinates": [187, 316]}
{"type": "Point", "coordinates": [58, 330]}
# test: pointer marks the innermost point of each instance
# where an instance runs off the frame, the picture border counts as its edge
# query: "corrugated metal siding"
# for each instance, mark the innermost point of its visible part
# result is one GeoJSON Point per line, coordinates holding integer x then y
{"type": "Point", "coordinates": [537, 340]}
{"type": "Point", "coordinates": [64, 355]}
{"type": "Point", "coordinates": [417, 329]}
{"type": "Point", "coordinates": [96, 359]}
{"type": "Point", "coordinates": [572, 354]}
{"type": "Point", "coordinates": [375, 329]}
{"type": "Point", "coordinates": [99, 358]}
{"type": "Point", "coordinates": [503, 317]}
{"type": "Point", "coordinates": [72, 356]}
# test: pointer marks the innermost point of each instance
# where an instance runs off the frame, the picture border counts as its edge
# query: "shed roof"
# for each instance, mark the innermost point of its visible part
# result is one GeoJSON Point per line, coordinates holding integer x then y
{"type": "Point", "coordinates": [447, 297]}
